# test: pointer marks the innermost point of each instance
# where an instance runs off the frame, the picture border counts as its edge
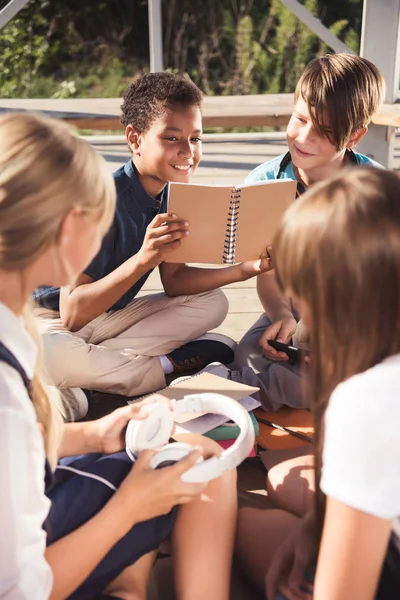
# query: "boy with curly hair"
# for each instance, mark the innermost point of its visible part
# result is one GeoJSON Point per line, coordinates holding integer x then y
{"type": "Point", "coordinates": [99, 335]}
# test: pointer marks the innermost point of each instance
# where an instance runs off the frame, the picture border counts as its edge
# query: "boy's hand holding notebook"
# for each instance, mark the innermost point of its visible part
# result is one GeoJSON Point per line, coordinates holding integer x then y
{"type": "Point", "coordinates": [228, 224]}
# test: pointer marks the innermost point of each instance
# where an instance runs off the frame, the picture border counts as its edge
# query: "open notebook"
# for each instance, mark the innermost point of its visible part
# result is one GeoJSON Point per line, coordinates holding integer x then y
{"type": "Point", "coordinates": [207, 382]}
{"type": "Point", "coordinates": [228, 224]}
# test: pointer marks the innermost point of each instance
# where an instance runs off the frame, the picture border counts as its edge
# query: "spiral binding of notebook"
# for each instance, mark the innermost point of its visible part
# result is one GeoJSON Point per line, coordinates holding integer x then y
{"type": "Point", "coordinates": [229, 254]}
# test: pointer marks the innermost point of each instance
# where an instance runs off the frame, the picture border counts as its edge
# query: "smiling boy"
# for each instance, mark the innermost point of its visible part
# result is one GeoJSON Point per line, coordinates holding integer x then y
{"type": "Point", "coordinates": [99, 335]}
{"type": "Point", "coordinates": [335, 100]}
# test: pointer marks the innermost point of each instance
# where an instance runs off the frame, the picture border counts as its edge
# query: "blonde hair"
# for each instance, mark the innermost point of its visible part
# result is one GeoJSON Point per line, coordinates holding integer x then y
{"type": "Point", "coordinates": [45, 171]}
{"type": "Point", "coordinates": [342, 92]}
{"type": "Point", "coordinates": [338, 252]}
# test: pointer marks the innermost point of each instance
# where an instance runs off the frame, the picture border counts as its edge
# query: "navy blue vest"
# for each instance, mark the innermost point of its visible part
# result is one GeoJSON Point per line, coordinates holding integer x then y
{"type": "Point", "coordinates": [8, 357]}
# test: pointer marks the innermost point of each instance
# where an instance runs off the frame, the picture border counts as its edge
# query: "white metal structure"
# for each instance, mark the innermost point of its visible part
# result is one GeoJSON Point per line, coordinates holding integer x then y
{"type": "Point", "coordinates": [380, 44]}
{"type": "Point", "coordinates": [316, 26]}
{"type": "Point", "coordinates": [10, 10]}
{"type": "Point", "coordinates": [155, 36]}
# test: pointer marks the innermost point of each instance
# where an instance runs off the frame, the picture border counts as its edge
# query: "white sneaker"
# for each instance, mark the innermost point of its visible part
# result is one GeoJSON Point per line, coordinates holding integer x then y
{"type": "Point", "coordinates": [72, 403]}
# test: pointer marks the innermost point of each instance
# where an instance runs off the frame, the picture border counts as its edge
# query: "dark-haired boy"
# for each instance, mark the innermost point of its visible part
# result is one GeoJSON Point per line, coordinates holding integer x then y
{"type": "Point", "coordinates": [100, 336]}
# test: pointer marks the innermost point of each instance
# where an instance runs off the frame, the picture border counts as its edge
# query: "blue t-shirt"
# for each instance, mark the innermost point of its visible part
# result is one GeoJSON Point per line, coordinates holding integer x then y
{"type": "Point", "coordinates": [135, 209]}
{"type": "Point", "coordinates": [279, 168]}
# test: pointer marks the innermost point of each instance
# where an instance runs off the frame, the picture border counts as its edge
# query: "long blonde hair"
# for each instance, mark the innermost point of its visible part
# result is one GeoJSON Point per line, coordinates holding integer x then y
{"type": "Point", "coordinates": [45, 171]}
{"type": "Point", "coordinates": [338, 252]}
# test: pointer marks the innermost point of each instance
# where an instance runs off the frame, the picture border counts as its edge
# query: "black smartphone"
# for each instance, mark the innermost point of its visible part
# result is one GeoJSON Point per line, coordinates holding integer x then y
{"type": "Point", "coordinates": [295, 354]}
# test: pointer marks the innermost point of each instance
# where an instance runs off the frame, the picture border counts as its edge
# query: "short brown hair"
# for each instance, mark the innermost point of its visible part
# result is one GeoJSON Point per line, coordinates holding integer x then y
{"type": "Point", "coordinates": [149, 96]}
{"type": "Point", "coordinates": [342, 92]}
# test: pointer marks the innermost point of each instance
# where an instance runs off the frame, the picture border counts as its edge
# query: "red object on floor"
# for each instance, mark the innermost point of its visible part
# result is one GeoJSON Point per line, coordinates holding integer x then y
{"type": "Point", "coordinates": [228, 443]}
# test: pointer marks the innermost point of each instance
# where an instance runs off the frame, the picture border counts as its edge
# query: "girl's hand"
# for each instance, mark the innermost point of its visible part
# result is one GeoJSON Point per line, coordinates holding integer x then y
{"type": "Point", "coordinates": [287, 570]}
{"type": "Point", "coordinates": [146, 493]}
{"type": "Point", "coordinates": [110, 430]}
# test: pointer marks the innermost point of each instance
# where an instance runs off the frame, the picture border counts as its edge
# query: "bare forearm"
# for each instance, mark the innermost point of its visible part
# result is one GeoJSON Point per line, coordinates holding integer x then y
{"type": "Point", "coordinates": [73, 557]}
{"type": "Point", "coordinates": [275, 304]}
{"type": "Point", "coordinates": [89, 300]}
{"type": "Point", "coordinates": [79, 438]}
{"type": "Point", "coordinates": [196, 280]}
{"type": "Point", "coordinates": [346, 543]}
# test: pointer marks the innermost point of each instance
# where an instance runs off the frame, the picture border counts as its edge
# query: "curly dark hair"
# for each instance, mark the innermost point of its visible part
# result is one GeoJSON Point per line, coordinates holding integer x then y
{"type": "Point", "coordinates": [147, 97]}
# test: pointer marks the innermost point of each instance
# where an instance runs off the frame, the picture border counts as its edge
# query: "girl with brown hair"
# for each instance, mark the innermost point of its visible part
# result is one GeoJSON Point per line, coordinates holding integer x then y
{"type": "Point", "coordinates": [338, 255]}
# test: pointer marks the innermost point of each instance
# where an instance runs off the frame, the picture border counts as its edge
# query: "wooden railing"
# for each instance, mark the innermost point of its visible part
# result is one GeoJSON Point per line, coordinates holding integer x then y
{"type": "Point", "coordinates": [271, 110]}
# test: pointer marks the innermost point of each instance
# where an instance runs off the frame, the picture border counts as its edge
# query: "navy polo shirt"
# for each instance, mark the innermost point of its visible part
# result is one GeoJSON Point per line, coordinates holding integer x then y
{"type": "Point", "coordinates": [135, 209]}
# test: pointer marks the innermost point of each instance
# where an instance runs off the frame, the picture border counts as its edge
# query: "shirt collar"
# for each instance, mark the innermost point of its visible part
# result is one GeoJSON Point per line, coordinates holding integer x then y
{"type": "Point", "coordinates": [153, 203]}
{"type": "Point", "coordinates": [17, 340]}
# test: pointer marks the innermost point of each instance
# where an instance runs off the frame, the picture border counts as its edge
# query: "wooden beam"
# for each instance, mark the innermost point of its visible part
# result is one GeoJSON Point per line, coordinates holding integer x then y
{"type": "Point", "coordinates": [389, 115]}
{"type": "Point", "coordinates": [264, 110]}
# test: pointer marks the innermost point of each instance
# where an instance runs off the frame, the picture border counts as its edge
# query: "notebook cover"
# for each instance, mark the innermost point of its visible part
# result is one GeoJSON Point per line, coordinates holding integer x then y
{"type": "Point", "coordinates": [203, 382]}
{"type": "Point", "coordinates": [261, 209]}
{"type": "Point", "coordinates": [206, 208]}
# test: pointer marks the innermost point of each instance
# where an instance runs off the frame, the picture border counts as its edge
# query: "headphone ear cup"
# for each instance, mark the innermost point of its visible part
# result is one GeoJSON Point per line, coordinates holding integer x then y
{"type": "Point", "coordinates": [151, 433]}
{"type": "Point", "coordinates": [171, 454]}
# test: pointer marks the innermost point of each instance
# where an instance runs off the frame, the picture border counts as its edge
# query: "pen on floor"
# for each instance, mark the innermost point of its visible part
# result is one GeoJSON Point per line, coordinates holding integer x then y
{"type": "Point", "coordinates": [297, 434]}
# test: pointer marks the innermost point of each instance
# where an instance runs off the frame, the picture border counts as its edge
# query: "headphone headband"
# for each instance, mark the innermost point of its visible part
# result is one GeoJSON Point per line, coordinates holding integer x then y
{"type": "Point", "coordinates": [155, 431]}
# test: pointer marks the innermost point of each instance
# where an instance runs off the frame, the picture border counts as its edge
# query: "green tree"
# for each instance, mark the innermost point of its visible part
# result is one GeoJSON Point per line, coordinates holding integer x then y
{"type": "Point", "coordinates": [58, 48]}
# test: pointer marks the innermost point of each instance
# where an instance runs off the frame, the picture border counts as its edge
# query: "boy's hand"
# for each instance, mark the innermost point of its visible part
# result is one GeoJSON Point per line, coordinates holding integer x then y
{"type": "Point", "coordinates": [163, 234]}
{"type": "Point", "coordinates": [282, 331]}
{"type": "Point", "coordinates": [147, 493]}
{"type": "Point", "coordinates": [110, 430]}
{"type": "Point", "coordinates": [250, 268]}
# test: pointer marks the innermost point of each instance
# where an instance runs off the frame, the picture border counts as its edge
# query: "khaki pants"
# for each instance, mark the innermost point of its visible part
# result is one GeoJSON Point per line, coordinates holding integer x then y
{"type": "Point", "coordinates": [118, 351]}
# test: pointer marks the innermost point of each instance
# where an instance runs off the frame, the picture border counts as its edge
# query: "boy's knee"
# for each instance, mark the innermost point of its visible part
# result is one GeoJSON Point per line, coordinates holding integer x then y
{"type": "Point", "coordinates": [242, 352]}
{"type": "Point", "coordinates": [217, 308]}
{"type": "Point", "coordinates": [248, 353]}
{"type": "Point", "coordinates": [55, 364]}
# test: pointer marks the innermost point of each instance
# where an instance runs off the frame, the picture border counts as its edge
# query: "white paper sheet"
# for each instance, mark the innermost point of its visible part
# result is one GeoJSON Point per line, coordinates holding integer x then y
{"type": "Point", "coordinates": [207, 422]}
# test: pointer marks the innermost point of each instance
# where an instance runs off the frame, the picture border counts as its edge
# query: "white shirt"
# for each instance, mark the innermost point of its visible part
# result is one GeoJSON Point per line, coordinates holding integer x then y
{"type": "Point", "coordinates": [24, 572]}
{"type": "Point", "coordinates": [361, 456]}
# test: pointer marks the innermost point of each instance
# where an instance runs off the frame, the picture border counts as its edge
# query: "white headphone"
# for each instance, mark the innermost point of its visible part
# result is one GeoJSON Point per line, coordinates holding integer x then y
{"type": "Point", "coordinates": [155, 431]}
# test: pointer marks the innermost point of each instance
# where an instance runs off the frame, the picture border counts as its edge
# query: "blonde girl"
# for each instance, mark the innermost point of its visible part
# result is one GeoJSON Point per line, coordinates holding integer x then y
{"type": "Point", "coordinates": [338, 255]}
{"type": "Point", "coordinates": [103, 520]}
